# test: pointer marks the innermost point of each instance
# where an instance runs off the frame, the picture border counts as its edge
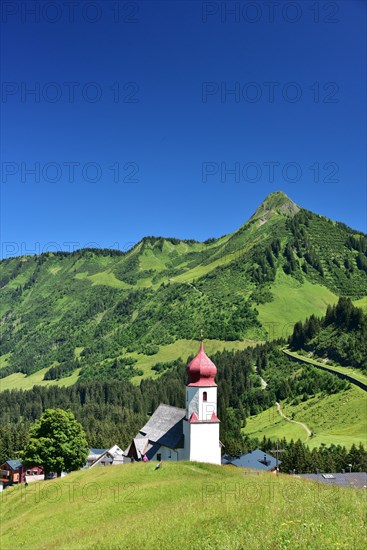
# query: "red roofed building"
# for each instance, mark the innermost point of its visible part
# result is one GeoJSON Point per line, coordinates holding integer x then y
{"type": "Point", "coordinates": [201, 424]}
{"type": "Point", "coordinates": [184, 434]}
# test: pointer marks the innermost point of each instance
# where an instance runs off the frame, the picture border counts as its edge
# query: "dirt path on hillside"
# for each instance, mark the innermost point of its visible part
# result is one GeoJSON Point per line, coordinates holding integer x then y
{"type": "Point", "coordinates": [304, 426]}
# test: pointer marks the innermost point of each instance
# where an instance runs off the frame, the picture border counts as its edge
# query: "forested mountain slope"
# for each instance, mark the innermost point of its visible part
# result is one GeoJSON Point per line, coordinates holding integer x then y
{"type": "Point", "coordinates": [341, 335]}
{"type": "Point", "coordinates": [95, 309]}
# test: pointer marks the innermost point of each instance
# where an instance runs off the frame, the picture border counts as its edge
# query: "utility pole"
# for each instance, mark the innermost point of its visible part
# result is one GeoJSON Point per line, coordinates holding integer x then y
{"type": "Point", "coordinates": [277, 452]}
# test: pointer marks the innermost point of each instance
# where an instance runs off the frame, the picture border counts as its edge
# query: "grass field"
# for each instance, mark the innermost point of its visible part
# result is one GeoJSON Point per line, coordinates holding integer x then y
{"type": "Point", "coordinates": [306, 299]}
{"type": "Point", "coordinates": [271, 424]}
{"type": "Point", "coordinates": [102, 278]}
{"type": "Point", "coordinates": [340, 419]}
{"type": "Point", "coordinates": [20, 381]}
{"type": "Point", "coordinates": [4, 360]}
{"type": "Point", "coordinates": [362, 303]}
{"type": "Point", "coordinates": [182, 505]}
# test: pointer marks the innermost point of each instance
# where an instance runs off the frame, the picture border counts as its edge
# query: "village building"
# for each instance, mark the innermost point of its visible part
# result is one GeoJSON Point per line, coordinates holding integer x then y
{"type": "Point", "coordinates": [192, 433]}
{"type": "Point", "coordinates": [94, 455]}
{"type": "Point", "coordinates": [356, 480]}
{"type": "Point", "coordinates": [14, 471]}
{"type": "Point", "coordinates": [256, 460]}
{"type": "Point", "coordinates": [106, 457]}
{"type": "Point", "coordinates": [10, 472]}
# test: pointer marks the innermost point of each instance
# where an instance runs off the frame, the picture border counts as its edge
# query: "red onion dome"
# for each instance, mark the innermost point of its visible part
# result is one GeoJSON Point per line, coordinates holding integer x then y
{"type": "Point", "coordinates": [201, 371]}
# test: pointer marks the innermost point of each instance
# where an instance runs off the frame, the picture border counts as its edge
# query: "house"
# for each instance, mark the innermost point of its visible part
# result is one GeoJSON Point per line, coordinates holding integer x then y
{"type": "Point", "coordinates": [257, 460]}
{"type": "Point", "coordinates": [14, 471]}
{"type": "Point", "coordinates": [94, 454]}
{"type": "Point", "coordinates": [109, 457]}
{"type": "Point", "coordinates": [192, 433]}
{"type": "Point", "coordinates": [29, 474]}
{"type": "Point", "coordinates": [357, 480]}
{"type": "Point", "coordinates": [10, 472]}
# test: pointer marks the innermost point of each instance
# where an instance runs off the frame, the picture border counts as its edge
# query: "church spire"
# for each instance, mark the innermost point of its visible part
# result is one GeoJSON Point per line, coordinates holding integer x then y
{"type": "Point", "coordinates": [201, 371]}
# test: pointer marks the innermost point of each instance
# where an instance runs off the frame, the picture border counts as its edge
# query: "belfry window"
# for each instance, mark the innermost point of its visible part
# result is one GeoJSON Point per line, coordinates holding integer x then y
{"type": "Point", "coordinates": [205, 396]}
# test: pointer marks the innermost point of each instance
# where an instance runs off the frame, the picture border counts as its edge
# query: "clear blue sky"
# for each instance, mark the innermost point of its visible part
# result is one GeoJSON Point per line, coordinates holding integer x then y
{"type": "Point", "coordinates": [150, 95]}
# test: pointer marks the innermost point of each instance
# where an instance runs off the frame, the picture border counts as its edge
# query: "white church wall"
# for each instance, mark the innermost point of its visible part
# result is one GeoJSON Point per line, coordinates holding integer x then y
{"type": "Point", "coordinates": [204, 442]}
{"type": "Point", "coordinates": [208, 407]}
{"type": "Point", "coordinates": [167, 454]}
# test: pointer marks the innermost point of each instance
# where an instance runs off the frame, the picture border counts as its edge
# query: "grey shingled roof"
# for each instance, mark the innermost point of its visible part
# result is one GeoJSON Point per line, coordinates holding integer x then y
{"type": "Point", "coordinates": [164, 427]}
{"type": "Point", "coordinates": [348, 479]}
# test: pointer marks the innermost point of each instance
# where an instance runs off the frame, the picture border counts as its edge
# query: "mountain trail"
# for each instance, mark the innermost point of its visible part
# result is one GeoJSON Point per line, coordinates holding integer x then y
{"type": "Point", "coordinates": [304, 426]}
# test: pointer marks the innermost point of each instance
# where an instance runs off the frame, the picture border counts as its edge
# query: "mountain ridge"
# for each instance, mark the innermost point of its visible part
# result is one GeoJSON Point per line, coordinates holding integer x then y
{"type": "Point", "coordinates": [103, 311]}
{"type": "Point", "coordinates": [276, 202]}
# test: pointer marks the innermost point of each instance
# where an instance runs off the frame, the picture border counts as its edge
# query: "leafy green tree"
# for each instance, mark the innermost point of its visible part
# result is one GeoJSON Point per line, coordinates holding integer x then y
{"type": "Point", "coordinates": [57, 442]}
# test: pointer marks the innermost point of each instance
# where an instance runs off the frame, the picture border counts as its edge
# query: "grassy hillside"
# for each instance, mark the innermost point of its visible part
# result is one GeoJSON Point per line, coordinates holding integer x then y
{"type": "Point", "coordinates": [166, 354]}
{"type": "Point", "coordinates": [21, 381]}
{"type": "Point", "coordinates": [339, 419]}
{"type": "Point", "coordinates": [109, 313]}
{"type": "Point", "coordinates": [183, 505]}
{"type": "Point", "coordinates": [293, 300]}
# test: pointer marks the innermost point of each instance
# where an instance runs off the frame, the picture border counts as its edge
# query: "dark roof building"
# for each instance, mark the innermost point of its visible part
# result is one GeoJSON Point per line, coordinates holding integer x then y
{"type": "Point", "coordinates": [163, 429]}
{"type": "Point", "coordinates": [257, 460]}
{"type": "Point", "coordinates": [358, 480]}
{"type": "Point", "coordinates": [10, 472]}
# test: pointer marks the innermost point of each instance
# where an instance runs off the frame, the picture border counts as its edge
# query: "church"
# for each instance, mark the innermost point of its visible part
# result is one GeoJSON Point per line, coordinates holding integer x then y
{"type": "Point", "coordinates": [192, 434]}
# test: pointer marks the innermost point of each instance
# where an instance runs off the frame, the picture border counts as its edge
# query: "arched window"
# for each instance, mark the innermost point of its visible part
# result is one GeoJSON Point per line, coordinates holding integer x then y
{"type": "Point", "coordinates": [205, 396]}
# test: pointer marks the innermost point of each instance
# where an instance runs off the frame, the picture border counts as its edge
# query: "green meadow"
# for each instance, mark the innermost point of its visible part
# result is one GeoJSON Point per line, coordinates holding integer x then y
{"type": "Point", "coordinates": [293, 301]}
{"type": "Point", "coordinates": [182, 505]}
{"type": "Point", "coordinates": [20, 381]}
{"type": "Point", "coordinates": [339, 418]}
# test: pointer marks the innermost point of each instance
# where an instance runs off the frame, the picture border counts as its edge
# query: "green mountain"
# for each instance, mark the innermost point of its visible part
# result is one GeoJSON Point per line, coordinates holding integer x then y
{"type": "Point", "coordinates": [111, 315]}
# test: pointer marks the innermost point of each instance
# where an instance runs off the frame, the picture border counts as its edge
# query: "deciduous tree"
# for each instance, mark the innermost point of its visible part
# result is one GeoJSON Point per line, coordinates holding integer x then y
{"type": "Point", "coordinates": [57, 442]}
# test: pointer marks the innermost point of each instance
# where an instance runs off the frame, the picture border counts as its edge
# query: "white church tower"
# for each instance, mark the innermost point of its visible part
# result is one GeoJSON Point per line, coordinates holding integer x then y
{"type": "Point", "coordinates": [201, 424]}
